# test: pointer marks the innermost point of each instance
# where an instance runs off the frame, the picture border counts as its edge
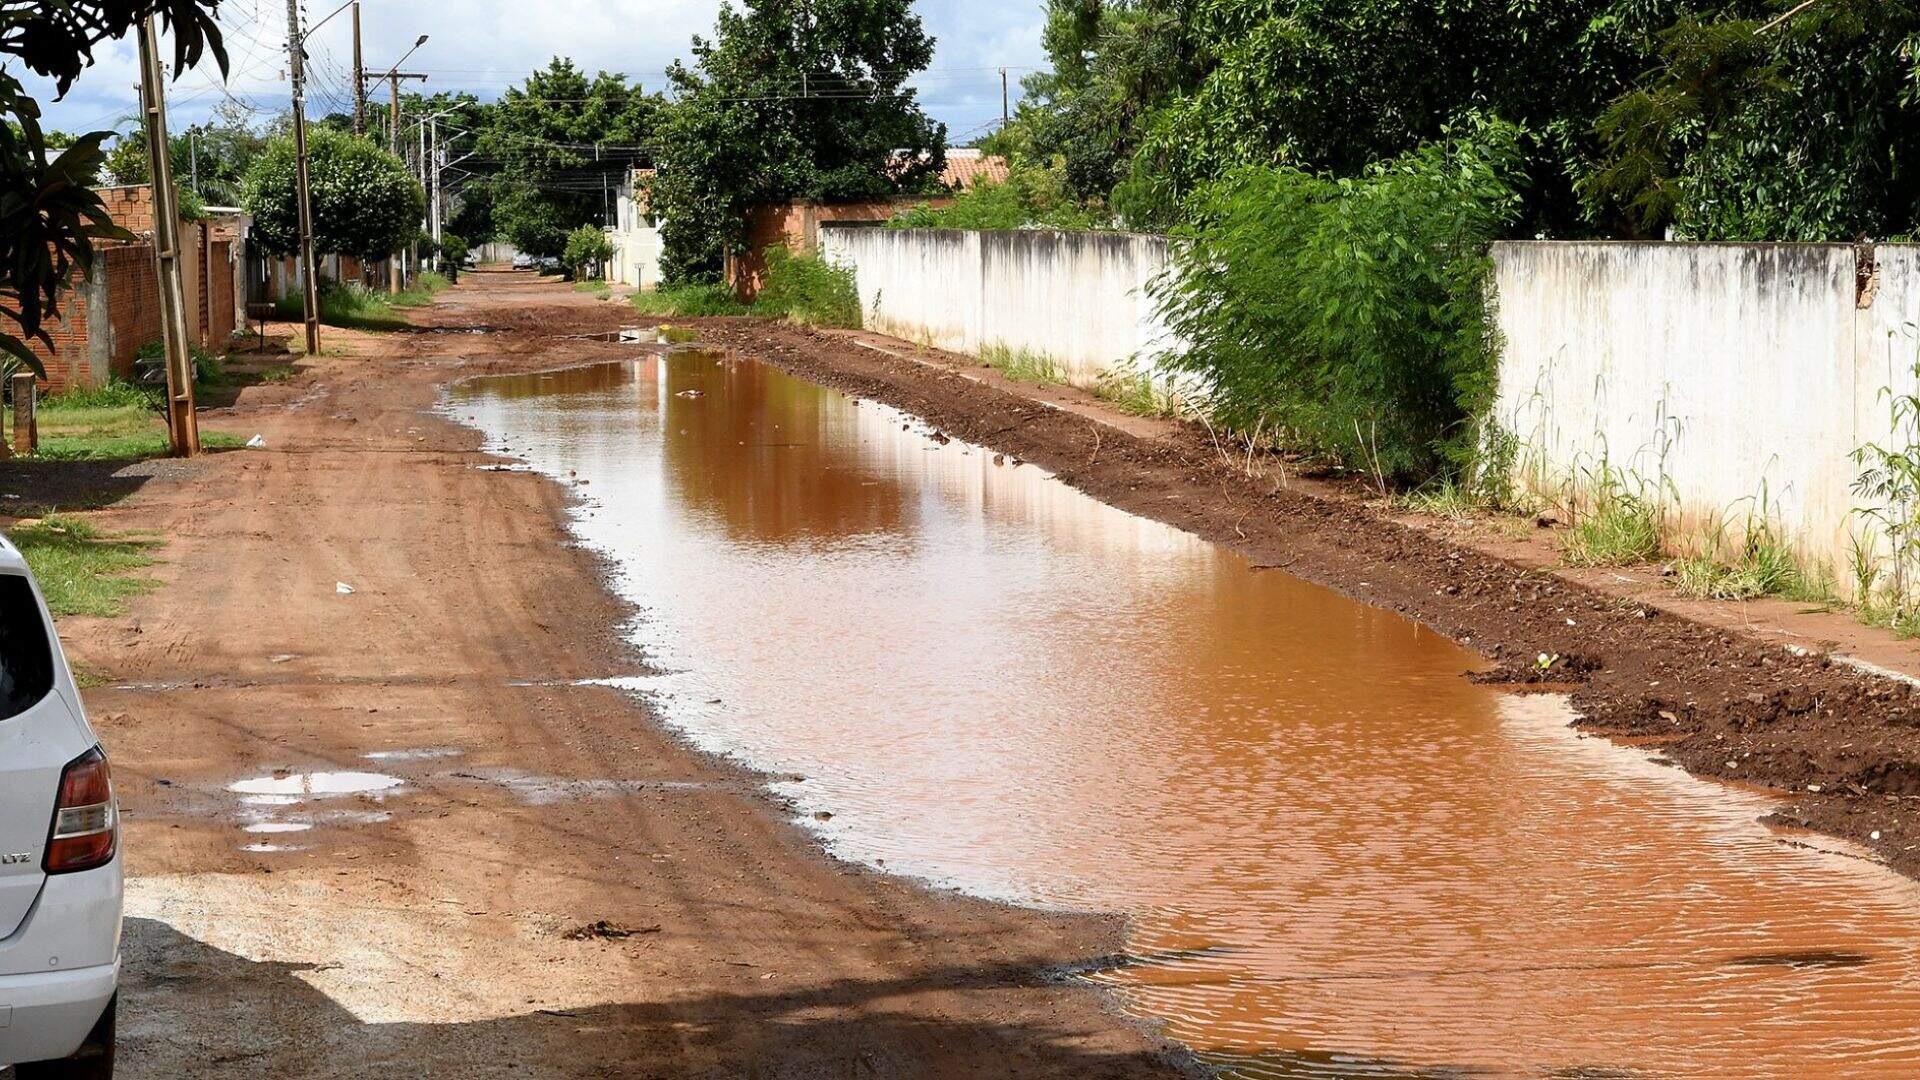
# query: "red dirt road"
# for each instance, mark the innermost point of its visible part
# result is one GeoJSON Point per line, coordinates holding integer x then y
{"type": "Point", "coordinates": [434, 927]}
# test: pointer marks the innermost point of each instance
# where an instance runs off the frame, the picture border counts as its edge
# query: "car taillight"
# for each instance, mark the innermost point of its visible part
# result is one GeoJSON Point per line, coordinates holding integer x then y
{"type": "Point", "coordinates": [86, 824]}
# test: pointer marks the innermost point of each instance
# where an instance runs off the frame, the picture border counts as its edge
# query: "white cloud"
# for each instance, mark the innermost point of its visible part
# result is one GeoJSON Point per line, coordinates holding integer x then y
{"type": "Point", "coordinates": [486, 45]}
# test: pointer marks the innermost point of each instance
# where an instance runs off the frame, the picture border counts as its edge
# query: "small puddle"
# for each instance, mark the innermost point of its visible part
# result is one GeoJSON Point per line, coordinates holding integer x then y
{"type": "Point", "coordinates": [278, 827]}
{"type": "Point", "coordinates": [1336, 855]}
{"type": "Point", "coordinates": [315, 785]}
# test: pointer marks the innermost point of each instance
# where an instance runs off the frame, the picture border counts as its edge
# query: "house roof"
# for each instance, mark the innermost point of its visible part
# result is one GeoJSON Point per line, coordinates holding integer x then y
{"type": "Point", "coordinates": [967, 167]}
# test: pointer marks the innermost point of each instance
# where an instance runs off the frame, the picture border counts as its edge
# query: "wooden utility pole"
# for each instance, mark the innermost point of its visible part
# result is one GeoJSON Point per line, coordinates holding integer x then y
{"type": "Point", "coordinates": [359, 78]}
{"type": "Point", "coordinates": [310, 289]}
{"type": "Point", "coordinates": [183, 426]}
{"type": "Point", "coordinates": [1003, 97]}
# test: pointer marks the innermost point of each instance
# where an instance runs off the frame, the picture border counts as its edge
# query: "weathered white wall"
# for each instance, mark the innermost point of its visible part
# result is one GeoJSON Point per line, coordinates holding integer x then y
{"type": "Point", "coordinates": [1729, 377]}
{"type": "Point", "coordinates": [636, 256]}
{"type": "Point", "coordinates": [1078, 298]}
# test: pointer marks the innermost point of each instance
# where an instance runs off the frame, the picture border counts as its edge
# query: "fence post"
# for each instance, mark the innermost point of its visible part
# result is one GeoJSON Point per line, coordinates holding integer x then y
{"type": "Point", "coordinates": [26, 430]}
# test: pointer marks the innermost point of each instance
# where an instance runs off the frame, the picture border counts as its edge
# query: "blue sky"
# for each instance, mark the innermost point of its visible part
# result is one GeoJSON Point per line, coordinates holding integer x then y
{"type": "Point", "coordinates": [486, 45]}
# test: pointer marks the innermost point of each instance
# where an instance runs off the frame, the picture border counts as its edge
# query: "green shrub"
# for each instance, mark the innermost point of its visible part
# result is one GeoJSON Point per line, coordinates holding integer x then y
{"type": "Point", "coordinates": [689, 301]}
{"type": "Point", "coordinates": [1350, 316]}
{"type": "Point", "coordinates": [808, 289]}
{"type": "Point", "coordinates": [587, 247]}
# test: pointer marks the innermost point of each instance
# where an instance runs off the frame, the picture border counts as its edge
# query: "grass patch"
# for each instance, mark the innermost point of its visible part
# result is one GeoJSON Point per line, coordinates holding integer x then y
{"type": "Point", "coordinates": [81, 571]}
{"type": "Point", "coordinates": [73, 429]}
{"type": "Point", "coordinates": [113, 394]}
{"type": "Point", "coordinates": [1619, 529]}
{"type": "Point", "coordinates": [279, 373]}
{"type": "Point", "coordinates": [1763, 567]}
{"type": "Point", "coordinates": [420, 293]}
{"type": "Point", "coordinates": [1022, 365]}
{"type": "Point", "coordinates": [689, 301]}
{"type": "Point", "coordinates": [597, 287]}
{"type": "Point", "coordinates": [1445, 498]}
{"type": "Point", "coordinates": [352, 306]}
{"type": "Point", "coordinates": [1136, 394]}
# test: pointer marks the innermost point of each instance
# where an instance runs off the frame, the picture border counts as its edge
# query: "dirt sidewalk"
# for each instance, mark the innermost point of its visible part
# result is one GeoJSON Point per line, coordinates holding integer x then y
{"type": "Point", "coordinates": [518, 874]}
{"type": "Point", "coordinates": [1754, 693]}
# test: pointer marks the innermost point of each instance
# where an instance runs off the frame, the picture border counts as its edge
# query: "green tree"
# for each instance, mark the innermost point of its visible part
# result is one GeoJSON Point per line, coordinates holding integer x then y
{"type": "Point", "coordinates": [216, 152]}
{"type": "Point", "coordinates": [49, 214]}
{"type": "Point", "coordinates": [365, 203]}
{"type": "Point", "coordinates": [1803, 130]}
{"type": "Point", "coordinates": [791, 99]}
{"type": "Point", "coordinates": [556, 147]}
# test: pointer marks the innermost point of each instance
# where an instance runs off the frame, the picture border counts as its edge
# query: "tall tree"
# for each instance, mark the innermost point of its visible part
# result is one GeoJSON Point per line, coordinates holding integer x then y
{"type": "Point", "coordinates": [215, 154]}
{"type": "Point", "coordinates": [555, 146]}
{"type": "Point", "coordinates": [365, 202]}
{"type": "Point", "coordinates": [790, 99]}
{"type": "Point", "coordinates": [49, 214]}
{"type": "Point", "coordinates": [1756, 128]}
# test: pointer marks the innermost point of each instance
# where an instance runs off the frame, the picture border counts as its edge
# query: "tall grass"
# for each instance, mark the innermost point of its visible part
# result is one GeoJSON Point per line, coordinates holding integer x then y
{"type": "Point", "coordinates": [1022, 365]}
{"type": "Point", "coordinates": [420, 293]}
{"type": "Point", "coordinates": [1618, 527]}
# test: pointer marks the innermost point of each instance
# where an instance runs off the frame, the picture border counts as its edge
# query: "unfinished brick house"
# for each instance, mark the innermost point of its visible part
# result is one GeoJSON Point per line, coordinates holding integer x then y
{"type": "Point", "coordinates": [115, 309]}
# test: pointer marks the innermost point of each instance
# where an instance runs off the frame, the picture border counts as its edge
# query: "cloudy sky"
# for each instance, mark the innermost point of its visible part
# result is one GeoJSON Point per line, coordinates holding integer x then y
{"type": "Point", "coordinates": [484, 46]}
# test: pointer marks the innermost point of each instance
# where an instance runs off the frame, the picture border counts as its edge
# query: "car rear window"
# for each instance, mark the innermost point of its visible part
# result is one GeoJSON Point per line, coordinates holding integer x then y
{"type": "Point", "coordinates": [26, 656]}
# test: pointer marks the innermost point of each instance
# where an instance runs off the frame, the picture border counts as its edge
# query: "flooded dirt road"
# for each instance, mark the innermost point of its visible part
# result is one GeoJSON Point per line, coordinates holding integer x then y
{"type": "Point", "coordinates": [1338, 857]}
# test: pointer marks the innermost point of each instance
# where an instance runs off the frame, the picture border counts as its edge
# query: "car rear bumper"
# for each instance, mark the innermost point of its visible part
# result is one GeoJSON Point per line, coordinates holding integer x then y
{"type": "Point", "coordinates": [48, 1015]}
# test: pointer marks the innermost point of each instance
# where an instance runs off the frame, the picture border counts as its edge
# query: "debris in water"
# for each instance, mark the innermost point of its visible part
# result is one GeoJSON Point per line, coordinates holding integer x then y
{"type": "Point", "coordinates": [689, 394]}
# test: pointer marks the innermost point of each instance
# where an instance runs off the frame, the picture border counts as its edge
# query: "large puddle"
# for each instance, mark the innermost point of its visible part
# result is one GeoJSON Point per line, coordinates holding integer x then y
{"type": "Point", "coordinates": [1337, 855]}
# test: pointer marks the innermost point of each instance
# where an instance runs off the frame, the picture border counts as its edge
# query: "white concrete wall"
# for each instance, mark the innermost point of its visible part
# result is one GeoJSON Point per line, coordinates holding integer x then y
{"type": "Point", "coordinates": [1728, 377]}
{"type": "Point", "coordinates": [636, 256]}
{"type": "Point", "coordinates": [1078, 298]}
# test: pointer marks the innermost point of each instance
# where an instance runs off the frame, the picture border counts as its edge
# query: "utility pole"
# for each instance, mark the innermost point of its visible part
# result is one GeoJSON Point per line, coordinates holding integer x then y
{"type": "Point", "coordinates": [413, 247]}
{"type": "Point", "coordinates": [1003, 97]}
{"type": "Point", "coordinates": [359, 78]}
{"type": "Point", "coordinates": [393, 77]}
{"type": "Point", "coordinates": [193, 159]}
{"type": "Point", "coordinates": [183, 426]}
{"type": "Point", "coordinates": [310, 289]}
{"type": "Point", "coordinates": [433, 208]}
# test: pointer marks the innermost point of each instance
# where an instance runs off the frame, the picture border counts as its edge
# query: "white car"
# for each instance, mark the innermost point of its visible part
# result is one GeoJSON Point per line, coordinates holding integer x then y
{"type": "Point", "coordinates": [60, 870]}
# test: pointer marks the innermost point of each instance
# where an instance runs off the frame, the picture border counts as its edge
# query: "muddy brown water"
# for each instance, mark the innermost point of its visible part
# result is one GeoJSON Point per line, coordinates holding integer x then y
{"type": "Point", "coordinates": [1336, 855]}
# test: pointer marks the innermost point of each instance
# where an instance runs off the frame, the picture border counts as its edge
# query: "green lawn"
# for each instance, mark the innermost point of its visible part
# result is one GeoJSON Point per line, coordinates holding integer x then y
{"type": "Point", "coordinates": [107, 424]}
{"type": "Point", "coordinates": [81, 571]}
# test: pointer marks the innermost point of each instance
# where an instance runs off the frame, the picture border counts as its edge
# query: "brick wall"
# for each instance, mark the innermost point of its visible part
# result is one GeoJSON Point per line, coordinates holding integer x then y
{"type": "Point", "coordinates": [797, 225]}
{"type": "Point", "coordinates": [107, 317]}
{"type": "Point", "coordinates": [220, 290]}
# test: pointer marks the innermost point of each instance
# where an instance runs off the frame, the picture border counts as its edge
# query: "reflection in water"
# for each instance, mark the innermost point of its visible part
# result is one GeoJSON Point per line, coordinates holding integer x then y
{"type": "Point", "coordinates": [1338, 857]}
